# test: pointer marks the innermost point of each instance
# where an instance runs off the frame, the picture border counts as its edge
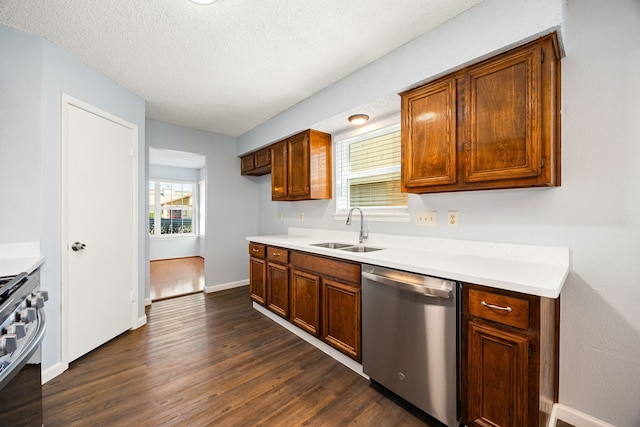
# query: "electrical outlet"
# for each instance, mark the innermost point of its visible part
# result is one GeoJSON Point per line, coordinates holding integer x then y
{"type": "Point", "coordinates": [280, 216]}
{"type": "Point", "coordinates": [452, 218]}
{"type": "Point", "coordinates": [427, 219]}
{"type": "Point", "coordinates": [301, 216]}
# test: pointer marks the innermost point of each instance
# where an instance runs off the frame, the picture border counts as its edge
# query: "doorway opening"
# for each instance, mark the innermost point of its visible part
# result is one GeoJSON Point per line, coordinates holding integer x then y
{"type": "Point", "coordinates": [176, 211]}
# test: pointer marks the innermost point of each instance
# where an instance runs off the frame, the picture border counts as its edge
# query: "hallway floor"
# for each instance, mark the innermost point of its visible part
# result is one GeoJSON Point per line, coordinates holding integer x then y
{"type": "Point", "coordinates": [175, 277]}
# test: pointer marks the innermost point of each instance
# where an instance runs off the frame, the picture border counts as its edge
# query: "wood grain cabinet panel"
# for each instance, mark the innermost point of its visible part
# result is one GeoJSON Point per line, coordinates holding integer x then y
{"type": "Point", "coordinates": [341, 317]}
{"type": "Point", "coordinates": [301, 167]}
{"type": "Point", "coordinates": [279, 167]}
{"type": "Point", "coordinates": [429, 135]}
{"type": "Point", "coordinates": [509, 358]}
{"type": "Point", "coordinates": [278, 280]}
{"type": "Point", "coordinates": [495, 124]}
{"type": "Point", "coordinates": [305, 301]}
{"type": "Point", "coordinates": [257, 163]}
{"type": "Point", "coordinates": [318, 294]}
{"type": "Point", "coordinates": [498, 377]}
{"type": "Point", "coordinates": [258, 280]}
{"type": "Point", "coordinates": [257, 273]}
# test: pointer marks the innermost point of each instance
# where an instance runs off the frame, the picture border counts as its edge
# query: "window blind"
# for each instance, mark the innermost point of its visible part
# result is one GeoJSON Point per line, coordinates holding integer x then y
{"type": "Point", "coordinates": [368, 171]}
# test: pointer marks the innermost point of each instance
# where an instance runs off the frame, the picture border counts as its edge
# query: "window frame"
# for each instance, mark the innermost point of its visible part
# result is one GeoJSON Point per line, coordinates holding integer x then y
{"type": "Point", "coordinates": [158, 209]}
{"type": "Point", "coordinates": [373, 213]}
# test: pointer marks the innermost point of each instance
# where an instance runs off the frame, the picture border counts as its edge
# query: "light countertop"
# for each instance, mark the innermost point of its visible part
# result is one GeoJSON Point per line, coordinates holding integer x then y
{"type": "Point", "coordinates": [535, 270]}
{"type": "Point", "coordinates": [16, 258]}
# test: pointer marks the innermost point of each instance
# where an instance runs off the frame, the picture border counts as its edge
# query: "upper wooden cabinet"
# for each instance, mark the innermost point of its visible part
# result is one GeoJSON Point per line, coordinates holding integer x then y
{"type": "Point", "coordinates": [257, 163]}
{"type": "Point", "coordinates": [495, 124]}
{"type": "Point", "coordinates": [301, 167]}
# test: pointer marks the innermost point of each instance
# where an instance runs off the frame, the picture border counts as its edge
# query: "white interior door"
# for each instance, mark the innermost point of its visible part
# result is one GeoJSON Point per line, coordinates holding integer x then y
{"type": "Point", "coordinates": [99, 211]}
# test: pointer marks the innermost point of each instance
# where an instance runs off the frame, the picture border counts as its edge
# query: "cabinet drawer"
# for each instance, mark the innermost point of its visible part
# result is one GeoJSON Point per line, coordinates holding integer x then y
{"type": "Point", "coordinates": [499, 308]}
{"type": "Point", "coordinates": [329, 267]}
{"type": "Point", "coordinates": [256, 250]}
{"type": "Point", "coordinates": [277, 254]}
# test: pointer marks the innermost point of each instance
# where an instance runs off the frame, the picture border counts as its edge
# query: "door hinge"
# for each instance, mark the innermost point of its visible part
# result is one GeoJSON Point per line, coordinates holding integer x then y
{"type": "Point", "coordinates": [541, 55]}
{"type": "Point", "coordinates": [132, 298]}
{"type": "Point", "coordinates": [132, 152]}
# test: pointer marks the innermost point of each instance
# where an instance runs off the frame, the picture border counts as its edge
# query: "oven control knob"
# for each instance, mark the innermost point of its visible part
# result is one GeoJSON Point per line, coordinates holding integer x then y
{"type": "Point", "coordinates": [9, 344]}
{"type": "Point", "coordinates": [43, 294]}
{"type": "Point", "coordinates": [28, 315]}
{"type": "Point", "coordinates": [36, 301]}
{"type": "Point", "coordinates": [19, 329]}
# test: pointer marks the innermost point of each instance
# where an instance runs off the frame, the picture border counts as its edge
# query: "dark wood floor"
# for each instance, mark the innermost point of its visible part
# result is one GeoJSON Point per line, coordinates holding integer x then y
{"type": "Point", "coordinates": [169, 278]}
{"type": "Point", "coordinates": [211, 359]}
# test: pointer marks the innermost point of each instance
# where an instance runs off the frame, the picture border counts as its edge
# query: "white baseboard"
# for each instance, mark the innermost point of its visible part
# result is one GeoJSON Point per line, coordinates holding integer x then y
{"type": "Point", "coordinates": [223, 286]}
{"type": "Point", "coordinates": [345, 360]}
{"type": "Point", "coordinates": [142, 320]}
{"type": "Point", "coordinates": [52, 372]}
{"type": "Point", "coordinates": [574, 417]}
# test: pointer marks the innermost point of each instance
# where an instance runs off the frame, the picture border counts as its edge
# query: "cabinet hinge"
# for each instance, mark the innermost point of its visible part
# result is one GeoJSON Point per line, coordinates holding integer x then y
{"type": "Point", "coordinates": [541, 55]}
{"type": "Point", "coordinates": [531, 350]}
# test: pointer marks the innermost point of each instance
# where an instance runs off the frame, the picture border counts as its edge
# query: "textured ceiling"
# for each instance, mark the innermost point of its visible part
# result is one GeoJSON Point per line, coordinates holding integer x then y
{"type": "Point", "coordinates": [230, 66]}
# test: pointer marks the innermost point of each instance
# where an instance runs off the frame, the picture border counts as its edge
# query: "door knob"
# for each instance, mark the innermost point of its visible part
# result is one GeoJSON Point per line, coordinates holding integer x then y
{"type": "Point", "coordinates": [77, 246]}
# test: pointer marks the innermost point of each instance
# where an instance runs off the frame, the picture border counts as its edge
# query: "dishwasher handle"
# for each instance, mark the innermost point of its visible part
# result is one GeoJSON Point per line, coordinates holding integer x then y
{"type": "Point", "coordinates": [422, 289]}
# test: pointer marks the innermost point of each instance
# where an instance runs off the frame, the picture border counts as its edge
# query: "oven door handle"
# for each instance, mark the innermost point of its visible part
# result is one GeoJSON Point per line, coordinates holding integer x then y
{"type": "Point", "coordinates": [25, 352]}
{"type": "Point", "coordinates": [422, 289]}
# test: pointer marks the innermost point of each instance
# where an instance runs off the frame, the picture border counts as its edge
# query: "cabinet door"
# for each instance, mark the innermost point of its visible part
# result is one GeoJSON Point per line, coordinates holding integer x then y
{"type": "Point", "coordinates": [503, 118]}
{"type": "Point", "coordinates": [278, 289]}
{"type": "Point", "coordinates": [258, 280]}
{"type": "Point", "coordinates": [279, 171]}
{"type": "Point", "coordinates": [247, 163]}
{"type": "Point", "coordinates": [429, 135]}
{"type": "Point", "coordinates": [341, 317]}
{"type": "Point", "coordinates": [497, 373]}
{"type": "Point", "coordinates": [305, 301]}
{"type": "Point", "coordinates": [263, 158]}
{"type": "Point", "coordinates": [298, 166]}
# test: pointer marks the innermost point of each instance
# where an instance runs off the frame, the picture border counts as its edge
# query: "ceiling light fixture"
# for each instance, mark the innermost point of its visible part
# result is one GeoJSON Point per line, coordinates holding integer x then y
{"type": "Point", "coordinates": [358, 119]}
{"type": "Point", "coordinates": [203, 2]}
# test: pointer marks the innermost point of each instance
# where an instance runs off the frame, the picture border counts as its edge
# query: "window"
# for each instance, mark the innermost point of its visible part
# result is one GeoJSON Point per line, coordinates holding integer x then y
{"type": "Point", "coordinates": [171, 207]}
{"type": "Point", "coordinates": [368, 172]}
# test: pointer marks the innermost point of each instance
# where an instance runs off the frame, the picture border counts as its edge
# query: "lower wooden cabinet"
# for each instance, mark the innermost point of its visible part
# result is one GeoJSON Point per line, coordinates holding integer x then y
{"type": "Point", "coordinates": [318, 294]}
{"type": "Point", "coordinates": [509, 357]}
{"type": "Point", "coordinates": [257, 274]}
{"type": "Point", "coordinates": [305, 301]}
{"type": "Point", "coordinates": [278, 289]}
{"type": "Point", "coordinates": [341, 322]}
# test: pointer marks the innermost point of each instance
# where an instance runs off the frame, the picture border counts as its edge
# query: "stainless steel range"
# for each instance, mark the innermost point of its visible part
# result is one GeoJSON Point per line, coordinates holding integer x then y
{"type": "Point", "coordinates": [22, 325]}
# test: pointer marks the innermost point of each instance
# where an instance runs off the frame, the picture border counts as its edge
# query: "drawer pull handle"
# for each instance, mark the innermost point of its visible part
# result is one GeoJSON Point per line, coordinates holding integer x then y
{"type": "Point", "coordinates": [276, 254]}
{"type": "Point", "coordinates": [255, 250]}
{"type": "Point", "coordinates": [497, 307]}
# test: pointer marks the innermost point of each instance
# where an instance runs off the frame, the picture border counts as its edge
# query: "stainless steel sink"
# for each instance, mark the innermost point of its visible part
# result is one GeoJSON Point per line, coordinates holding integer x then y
{"type": "Point", "coordinates": [361, 249]}
{"type": "Point", "coordinates": [332, 245]}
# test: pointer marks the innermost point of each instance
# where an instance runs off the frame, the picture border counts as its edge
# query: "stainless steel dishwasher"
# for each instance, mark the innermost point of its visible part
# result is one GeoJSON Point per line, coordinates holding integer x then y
{"type": "Point", "coordinates": [410, 338]}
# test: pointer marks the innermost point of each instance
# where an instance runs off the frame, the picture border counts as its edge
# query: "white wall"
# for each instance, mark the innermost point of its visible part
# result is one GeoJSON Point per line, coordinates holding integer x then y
{"type": "Point", "coordinates": [33, 137]}
{"type": "Point", "coordinates": [596, 211]}
{"type": "Point", "coordinates": [20, 123]}
{"type": "Point", "coordinates": [231, 199]}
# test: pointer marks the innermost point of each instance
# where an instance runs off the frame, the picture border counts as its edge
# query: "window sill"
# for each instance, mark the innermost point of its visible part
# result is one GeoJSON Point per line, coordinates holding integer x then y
{"type": "Point", "coordinates": [173, 236]}
{"type": "Point", "coordinates": [373, 216]}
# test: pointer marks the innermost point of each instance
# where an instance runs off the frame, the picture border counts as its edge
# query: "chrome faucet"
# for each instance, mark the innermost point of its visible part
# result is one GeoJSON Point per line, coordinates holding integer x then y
{"type": "Point", "coordinates": [364, 234]}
